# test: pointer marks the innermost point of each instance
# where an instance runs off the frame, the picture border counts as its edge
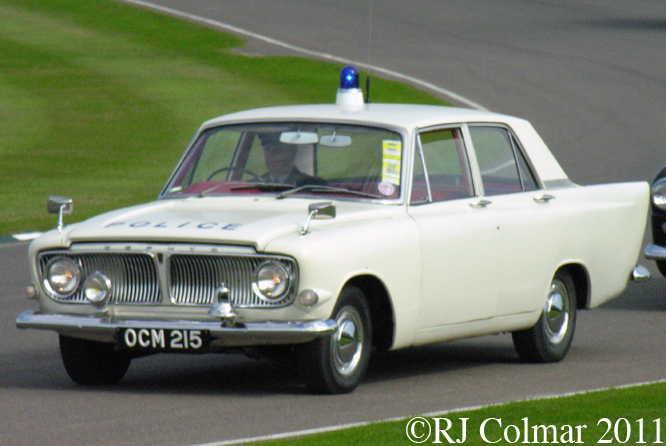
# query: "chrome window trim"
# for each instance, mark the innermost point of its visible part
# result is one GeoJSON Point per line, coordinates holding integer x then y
{"type": "Point", "coordinates": [419, 151]}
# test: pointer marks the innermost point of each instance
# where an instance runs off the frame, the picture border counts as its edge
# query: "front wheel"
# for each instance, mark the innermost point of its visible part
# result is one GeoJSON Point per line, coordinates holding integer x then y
{"type": "Point", "coordinates": [92, 363]}
{"type": "Point", "coordinates": [337, 364]}
{"type": "Point", "coordinates": [550, 338]}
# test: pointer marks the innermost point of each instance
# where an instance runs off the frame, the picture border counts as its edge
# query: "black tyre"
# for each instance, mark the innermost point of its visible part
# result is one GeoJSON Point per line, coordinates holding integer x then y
{"type": "Point", "coordinates": [92, 363]}
{"type": "Point", "coordinates": [549, 340]}
{"type": "Point", "coordinates": [337, 364]}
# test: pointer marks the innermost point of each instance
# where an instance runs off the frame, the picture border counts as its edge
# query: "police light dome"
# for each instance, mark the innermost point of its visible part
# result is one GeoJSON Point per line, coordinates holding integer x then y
{"type": "Point", "coordinates": [349, 93]}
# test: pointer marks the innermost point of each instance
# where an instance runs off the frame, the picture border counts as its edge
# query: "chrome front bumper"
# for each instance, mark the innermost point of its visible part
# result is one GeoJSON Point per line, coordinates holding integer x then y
{"type": "Point", "coordinates": [241, 335]}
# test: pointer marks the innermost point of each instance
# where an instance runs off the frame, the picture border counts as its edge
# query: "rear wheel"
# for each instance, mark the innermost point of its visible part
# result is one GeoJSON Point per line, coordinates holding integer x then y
{"type": "Point", "coordinates": [337, 364]}
{"type": "Point", "coordinates": [550, 338]}
{"type": "Point", "coordinates": [92, 363]}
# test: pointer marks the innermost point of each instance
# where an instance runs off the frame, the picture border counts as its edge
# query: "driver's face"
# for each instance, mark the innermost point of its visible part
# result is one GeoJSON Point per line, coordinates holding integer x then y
{"type": "Point", "coordinates": [279, 158]}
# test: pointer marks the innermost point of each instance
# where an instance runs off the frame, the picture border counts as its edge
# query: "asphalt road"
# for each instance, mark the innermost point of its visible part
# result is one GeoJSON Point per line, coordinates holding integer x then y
{"type": "Point", "coordinates": [591, 76]}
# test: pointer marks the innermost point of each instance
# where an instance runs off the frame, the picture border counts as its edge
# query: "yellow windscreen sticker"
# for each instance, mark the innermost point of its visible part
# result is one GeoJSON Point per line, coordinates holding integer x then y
{"type": "Point", "coordinates": [391, 160]}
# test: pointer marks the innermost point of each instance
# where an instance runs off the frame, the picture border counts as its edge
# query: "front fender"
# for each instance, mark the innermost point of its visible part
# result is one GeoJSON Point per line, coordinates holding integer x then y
{"type": "Point", "coordinates": [329, 256]}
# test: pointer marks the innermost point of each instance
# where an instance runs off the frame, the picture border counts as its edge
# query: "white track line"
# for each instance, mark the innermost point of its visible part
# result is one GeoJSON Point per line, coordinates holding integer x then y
{"type": "Point", "coordinates": [316, 54]}
{"type": "Point", "coordinates": [26, 236]}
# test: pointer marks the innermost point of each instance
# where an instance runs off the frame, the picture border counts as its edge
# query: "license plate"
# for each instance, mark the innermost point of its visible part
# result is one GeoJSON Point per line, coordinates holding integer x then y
{"type": "Point", "coordinates": [163, 339]}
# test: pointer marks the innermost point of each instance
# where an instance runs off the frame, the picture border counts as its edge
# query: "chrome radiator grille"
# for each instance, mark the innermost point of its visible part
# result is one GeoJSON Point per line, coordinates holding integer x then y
{"type": "Point", "coordinates": [133, 275]}
{"type": "Point", "coordinates": [191, 279]}
{"type": "Point", "coordinates": [195, 279]}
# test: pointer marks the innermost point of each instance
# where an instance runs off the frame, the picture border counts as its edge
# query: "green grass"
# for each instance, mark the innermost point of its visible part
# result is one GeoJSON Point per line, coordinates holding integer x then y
{"type": "Point", "coordinates": [99, 99]}
{"type": "Point", "coordinates": [633, 404]}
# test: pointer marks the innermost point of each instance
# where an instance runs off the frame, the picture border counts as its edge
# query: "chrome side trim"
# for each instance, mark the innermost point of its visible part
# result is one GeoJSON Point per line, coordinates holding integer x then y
{"type": "Point", "coordinates": [248, 334]}
{"type": "Point", "coordinates": [655, 252]}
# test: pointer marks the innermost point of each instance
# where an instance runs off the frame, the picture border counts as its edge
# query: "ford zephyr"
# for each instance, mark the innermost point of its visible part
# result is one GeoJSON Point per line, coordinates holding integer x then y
{"type": "Point", "coordinates": [329, 231]}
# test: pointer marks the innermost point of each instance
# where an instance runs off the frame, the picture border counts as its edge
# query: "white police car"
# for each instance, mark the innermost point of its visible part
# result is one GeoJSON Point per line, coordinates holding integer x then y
{"type": "Point", "coordinates": [336, 229]}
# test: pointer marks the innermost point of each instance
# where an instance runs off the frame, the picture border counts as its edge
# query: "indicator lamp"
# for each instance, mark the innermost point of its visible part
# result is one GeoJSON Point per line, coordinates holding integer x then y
{"type": "Point", "coordinates": [349, 93]}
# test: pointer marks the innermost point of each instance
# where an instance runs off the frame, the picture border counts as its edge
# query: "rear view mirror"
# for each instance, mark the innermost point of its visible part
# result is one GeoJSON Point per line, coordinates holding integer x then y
{"type": "Point", "coordinates": [335, 140]}
{"type": "Point", "coordinates": [299, 138]}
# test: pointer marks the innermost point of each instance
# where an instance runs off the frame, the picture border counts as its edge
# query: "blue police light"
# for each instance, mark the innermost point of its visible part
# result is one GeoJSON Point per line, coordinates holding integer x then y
{"type": "Point", "coordinates": [349, 93]}
{"type": "Point", "coordinates": [349, 78]}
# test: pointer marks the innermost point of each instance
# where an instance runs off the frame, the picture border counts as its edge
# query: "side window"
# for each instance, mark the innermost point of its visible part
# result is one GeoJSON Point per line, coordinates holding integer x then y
{"type": "Point", "coordinates": [496, 152]}
{"type": "Point", "coordinates": [441, 170]}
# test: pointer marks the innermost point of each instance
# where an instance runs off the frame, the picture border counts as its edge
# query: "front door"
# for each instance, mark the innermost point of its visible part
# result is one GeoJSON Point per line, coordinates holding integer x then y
{"type": "Point", "coordinates": [459, 234]}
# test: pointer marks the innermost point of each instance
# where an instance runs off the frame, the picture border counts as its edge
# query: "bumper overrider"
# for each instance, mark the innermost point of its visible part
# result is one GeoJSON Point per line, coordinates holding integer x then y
{"type": "Point", "coordinates": [150, 334]}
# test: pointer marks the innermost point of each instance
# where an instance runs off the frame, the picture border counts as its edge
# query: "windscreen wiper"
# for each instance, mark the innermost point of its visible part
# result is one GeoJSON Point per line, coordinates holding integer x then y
{"type": "Point", "coordinates": [270, 187]}
{"type": "Point", "coordinates": [314, 188]}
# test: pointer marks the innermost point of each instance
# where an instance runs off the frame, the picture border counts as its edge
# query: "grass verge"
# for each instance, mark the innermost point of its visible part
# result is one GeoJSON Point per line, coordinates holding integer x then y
{"type": "Point", "coordinates": [99, 99]}
{"type": "Point", "coordinates": [631, 415]}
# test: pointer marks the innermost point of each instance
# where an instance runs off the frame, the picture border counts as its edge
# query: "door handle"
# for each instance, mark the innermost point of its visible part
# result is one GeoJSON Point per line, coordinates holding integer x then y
{"type": "Point", "coordinates": [480, 204]}
{"type": "Point", "coordinates": [544, 198]}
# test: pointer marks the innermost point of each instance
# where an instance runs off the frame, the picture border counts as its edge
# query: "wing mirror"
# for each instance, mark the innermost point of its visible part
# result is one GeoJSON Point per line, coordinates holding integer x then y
{"type": "Point", "coordinates": [60, 206]}
{"type": "Point", "coordinates": [318, 211]}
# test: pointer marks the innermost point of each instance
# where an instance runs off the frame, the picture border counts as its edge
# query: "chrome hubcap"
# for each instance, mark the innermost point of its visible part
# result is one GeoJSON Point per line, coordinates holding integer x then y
{"type": "Point", "coordinates": [348, 341]}
{"type": "Point", "coordinates": [557, 312]}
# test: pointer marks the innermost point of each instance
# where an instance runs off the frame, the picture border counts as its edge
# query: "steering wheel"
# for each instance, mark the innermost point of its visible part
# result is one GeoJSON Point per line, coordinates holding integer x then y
{"type": "Point", "coordinates": [226, 169]}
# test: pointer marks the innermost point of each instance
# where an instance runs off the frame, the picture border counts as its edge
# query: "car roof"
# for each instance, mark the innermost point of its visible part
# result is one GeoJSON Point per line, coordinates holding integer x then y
{"type": "Point", "coordinates": [406, 116]}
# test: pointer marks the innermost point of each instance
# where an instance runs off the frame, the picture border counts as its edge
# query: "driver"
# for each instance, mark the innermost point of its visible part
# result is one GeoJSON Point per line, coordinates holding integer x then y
{"type": "Point", "coordinates": [279, 158]}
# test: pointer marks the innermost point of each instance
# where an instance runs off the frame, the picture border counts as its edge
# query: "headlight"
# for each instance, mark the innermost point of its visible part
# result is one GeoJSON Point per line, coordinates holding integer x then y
{"type": "Point", "coordinates": [271, 281]}
{"type": "Point", "coordinates": [62, 277]}
{"type": "Point", "coordinates": [659, 194]}
{"type": "Point", "coordinates": [97, 289]}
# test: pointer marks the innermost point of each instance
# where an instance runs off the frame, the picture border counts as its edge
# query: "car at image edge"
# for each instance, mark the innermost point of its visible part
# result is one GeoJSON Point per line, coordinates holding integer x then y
{"type": "Point", "coordinates": [657, 250]}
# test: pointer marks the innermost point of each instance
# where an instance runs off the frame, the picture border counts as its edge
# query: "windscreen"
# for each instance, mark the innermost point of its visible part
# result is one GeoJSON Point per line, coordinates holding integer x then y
{"type": "Point", "coordinates": [347, 161]}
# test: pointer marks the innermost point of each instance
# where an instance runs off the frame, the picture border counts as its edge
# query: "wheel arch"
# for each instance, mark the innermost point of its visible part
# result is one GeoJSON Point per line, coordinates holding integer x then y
{"type": "Point", "coordinates": [581, 280]}
{"type": "Point", "coordinates": [381, 309]}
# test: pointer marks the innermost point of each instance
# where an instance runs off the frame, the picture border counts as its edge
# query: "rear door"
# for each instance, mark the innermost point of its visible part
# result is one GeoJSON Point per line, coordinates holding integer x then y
{"type": "Point", "coordinates": [526, 214]}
